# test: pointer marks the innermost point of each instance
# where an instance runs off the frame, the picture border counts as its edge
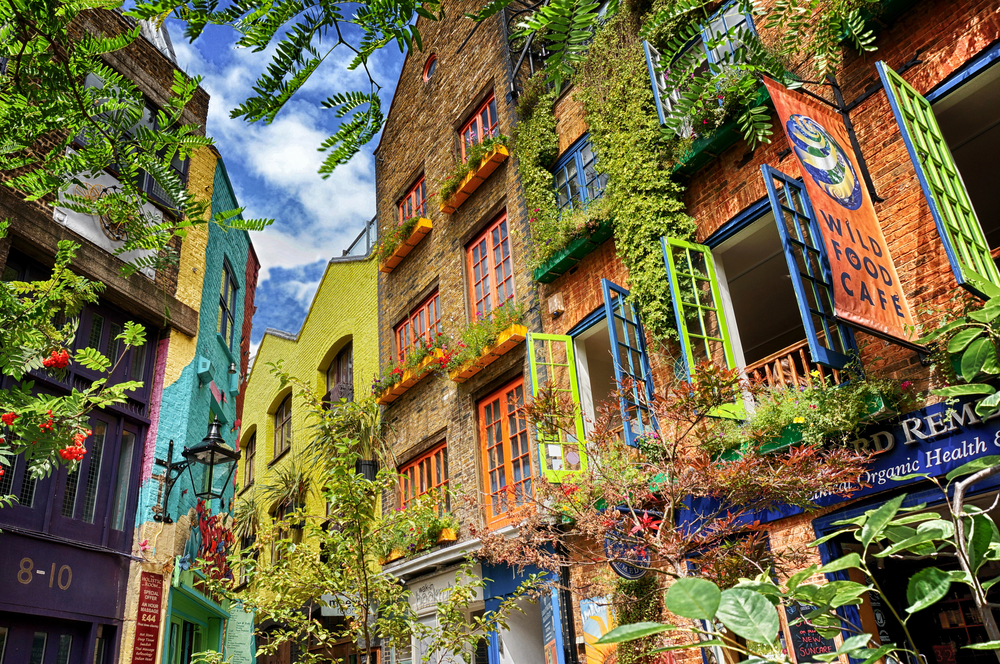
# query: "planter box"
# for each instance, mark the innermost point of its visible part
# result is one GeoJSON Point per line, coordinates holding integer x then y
{"type": "Point", "coordinates": [447, 535]}
{"type": "Point", "coordinates": [471, 182]}
{"type": "Point", "coordinates": [790, 435]}
{"type": "Point", "coordinates": [509, 338]}
{"type": "Point", "coordinates": [422, 228]}
{"type": "Point", "coordinates": [410, 378]}
{"type": "Point", "coordinates": [572, 254]}
{"type": "Point", "coordinates": [706, 148]}
{"type": "Point", "coordinates": [877, 408]}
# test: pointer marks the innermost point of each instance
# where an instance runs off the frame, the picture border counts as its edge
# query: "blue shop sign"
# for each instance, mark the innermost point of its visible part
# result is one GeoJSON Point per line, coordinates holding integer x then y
{"type": "Point", "coordinates": [933, 441]}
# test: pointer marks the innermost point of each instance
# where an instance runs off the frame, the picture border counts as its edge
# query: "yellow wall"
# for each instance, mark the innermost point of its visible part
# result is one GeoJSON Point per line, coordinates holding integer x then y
{"type": "Point", "coordinates": [344, 309]}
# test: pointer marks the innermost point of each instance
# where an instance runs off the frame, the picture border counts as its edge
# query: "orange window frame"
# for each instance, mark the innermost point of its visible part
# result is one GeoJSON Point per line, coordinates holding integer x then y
{"type": "Point", "coordinates": [421, 326]}
{"type": "Point", "coordinates": [414, 203]}
{"type": "Point", "coordinates": [427, 473]}
{"type": "Point", "coordinates": [506, 454]}
{"type": "Point", "coordinates": [482, 124]}
{"type": "Point", "coordinates": [491, 268]}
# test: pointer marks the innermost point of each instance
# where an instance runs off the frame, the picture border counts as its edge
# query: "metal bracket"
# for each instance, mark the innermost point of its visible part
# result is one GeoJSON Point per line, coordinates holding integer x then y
{"type": "Point", "coordinates": [169, 480]}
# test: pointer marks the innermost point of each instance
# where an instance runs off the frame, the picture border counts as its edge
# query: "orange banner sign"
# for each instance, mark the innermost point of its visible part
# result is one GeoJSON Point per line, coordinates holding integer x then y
{"type": "Point", "coordinates": [866, 288]}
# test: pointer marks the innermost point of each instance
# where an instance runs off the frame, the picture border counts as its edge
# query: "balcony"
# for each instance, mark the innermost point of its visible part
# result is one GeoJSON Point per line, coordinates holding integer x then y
{"type": "Point", "coordinates": [791, 367]}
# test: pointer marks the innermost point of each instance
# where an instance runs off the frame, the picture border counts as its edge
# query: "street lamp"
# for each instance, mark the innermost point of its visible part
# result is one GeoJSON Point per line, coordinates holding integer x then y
{"type": "Point", "coordinates": [210, 457]}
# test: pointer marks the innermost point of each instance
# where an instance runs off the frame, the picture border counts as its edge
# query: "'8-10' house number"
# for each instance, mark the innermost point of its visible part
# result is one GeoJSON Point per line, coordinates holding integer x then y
{"type": "Point", "coordinates": [27, 574]}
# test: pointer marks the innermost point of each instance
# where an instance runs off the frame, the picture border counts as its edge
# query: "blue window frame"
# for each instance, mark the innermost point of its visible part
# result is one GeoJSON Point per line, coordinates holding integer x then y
{"type": "Point", "coordinates": [631, 361]}
{"type": "Point", "coordinates": [830, 341]}
{"type": "Point", "coordinates": [577, 181]}
{"type": "Point", "coordinates": [721, 37]}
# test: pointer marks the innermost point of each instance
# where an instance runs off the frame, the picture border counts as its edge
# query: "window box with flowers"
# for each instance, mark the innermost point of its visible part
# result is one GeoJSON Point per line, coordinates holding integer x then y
{"type": "Point", "coordinates": [394, 246]}
{"type": "Point", "coordinates": [399, 377]}
{"type": "Point", "coordinates": [481, 160]}
{"type": "Point", "coordinates": [817, 415]}
{"type": "Point", "coordinates": [485, 340]}
{"type": "Point", "coordinates": [410, 535]}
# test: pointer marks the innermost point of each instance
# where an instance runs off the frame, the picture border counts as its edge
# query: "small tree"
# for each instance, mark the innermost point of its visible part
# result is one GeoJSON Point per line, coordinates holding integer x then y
{"type": "Point", "coordinates": [50, 430]}
{"type": "Point", "coordinates": [669, 506]}
{"type": "Point", "coordinates": [335, 560]}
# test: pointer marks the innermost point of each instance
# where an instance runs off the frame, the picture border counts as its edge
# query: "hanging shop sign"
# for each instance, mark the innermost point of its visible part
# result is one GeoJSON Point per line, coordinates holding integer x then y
{"type": "Point", "coordinates": [240, 646]}
{"type": "Point", "coordinates": [867, 292]}
{"type": "Point", "coordinates": [147, 624]}
{"type": "Point", "coordinates": [627, 554]}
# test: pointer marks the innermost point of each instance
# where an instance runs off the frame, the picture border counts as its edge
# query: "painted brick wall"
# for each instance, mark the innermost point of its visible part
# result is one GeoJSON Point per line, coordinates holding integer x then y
{"type": "Point", "coordinates": [345, 308]}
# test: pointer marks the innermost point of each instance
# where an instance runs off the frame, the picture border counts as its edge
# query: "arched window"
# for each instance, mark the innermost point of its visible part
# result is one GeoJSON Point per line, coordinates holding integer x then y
{"type": "Point", "coordinates": [340, 376]}
{"type": "Point", "coordinates": [283, 426]}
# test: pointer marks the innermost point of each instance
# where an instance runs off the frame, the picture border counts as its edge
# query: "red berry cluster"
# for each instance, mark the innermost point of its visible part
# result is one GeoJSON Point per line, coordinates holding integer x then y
{"type": "Point", "coordinates": [76, 451]}
{"type": "Point", "coordinates": [8, 418]}
{"type": "Point", "coordinates": [57, 359]}
{"type": "Point", "coordinates": [47, 426]}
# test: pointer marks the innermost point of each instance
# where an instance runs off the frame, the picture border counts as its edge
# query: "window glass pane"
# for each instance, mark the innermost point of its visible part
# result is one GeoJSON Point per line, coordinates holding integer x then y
{"type": "Point", "coordinates": [38, 647]}
{"type": "Point", "coordinates": [493, 116]}
{"type": "Point", "coordinates": [65, 644]}
{"type": "Point", "coordinates": [26, 496]}
{"type": "Point", "coordinates": [114, 345]}
{"type": "Point", "coordinates": [95, 450]}
{"type": "Point", "coordinates": [562, 196]}
{"type": "Point", "coordinates": [7, 482]}
{"type": "Point", "coordinates": [138, 369]}
{"type": "Point", "coordinates": [123, 481]}
{"type": "Point", "coordinates": [96, 332]}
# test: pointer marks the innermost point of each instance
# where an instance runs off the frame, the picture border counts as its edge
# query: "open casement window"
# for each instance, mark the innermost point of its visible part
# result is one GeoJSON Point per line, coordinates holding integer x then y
{"type": "Point", "coordinates": [561, 445]}
{"type": "Point", "coordinates": [957, 223]}
{"type": "Point", "coordinates": [701, 319]}
{"type": "Point", "coordinates": [631, 362]}
{"type": "Point", "coordinates": [830, 342]}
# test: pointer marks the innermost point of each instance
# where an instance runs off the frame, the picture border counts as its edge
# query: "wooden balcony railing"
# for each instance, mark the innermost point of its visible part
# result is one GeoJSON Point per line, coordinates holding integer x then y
{"type": "Point", "coordinates": [790, 367]}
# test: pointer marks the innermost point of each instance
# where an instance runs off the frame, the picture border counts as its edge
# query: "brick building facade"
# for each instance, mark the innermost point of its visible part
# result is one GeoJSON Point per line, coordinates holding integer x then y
{"type": "Point", "coordinates": [110, 542]}
{"type": "Point", "coordinates": [946, 51]}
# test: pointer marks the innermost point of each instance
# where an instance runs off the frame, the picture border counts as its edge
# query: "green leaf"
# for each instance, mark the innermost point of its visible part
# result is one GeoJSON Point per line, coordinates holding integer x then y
{"type": "Point", "coordinates": [979, 541]}
{"type": "Point", "coordinates": [694, 644]}
{"type": "Point", "coordinates": [800, 576]}
{"type": "Point", "coordinates": [846, 648]}
{"type": "Point", "coordinates": [826, 538]}
{"type": "Point", "coordinates": [962, 339]}
{"type": "Point", "coordinates": [974, 357]}
{"type": "Point", "coordinates": [849, 561]}
{"type": "Point", "coordinates": [693, 598]}
{"type": "Point", "coordinates": [634, 631]}
{"type": "Point", "coordinates": [971, 389]}
{"type": "Point", "coordinates": [989, 584]}
{"type": "Point", "coordinates": [872, 656]}
{"type": "Point", "coordinates": [926, 587]}
{"type": "Point", "coordinates": [989, 645]}
{"type": "Point", "coordinates": [749, 615]}
{"type": "Point", "coordinates": [974, 466]}
{"type": "Point", "coordinates": [878, 519]}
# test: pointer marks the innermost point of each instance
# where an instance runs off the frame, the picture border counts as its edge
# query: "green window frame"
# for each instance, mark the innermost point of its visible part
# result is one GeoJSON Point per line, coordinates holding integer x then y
{"type": "Point", "coordinates": [956, 220]}
{"type": "Point", "coordinates": [561, 452]}
{"type": "Point", "coordinates": [701, 321]}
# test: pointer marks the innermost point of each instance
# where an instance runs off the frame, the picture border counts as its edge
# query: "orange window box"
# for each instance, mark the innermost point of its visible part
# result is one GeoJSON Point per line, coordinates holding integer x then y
{"type": "Point", "coordinates": [471, 182]}
{"type": "Point", "coordinates": [422, 228]}
{"type": "Point", "coordinates": [411, 377]}
{"type": "Point", "coordinates": [509, 338]}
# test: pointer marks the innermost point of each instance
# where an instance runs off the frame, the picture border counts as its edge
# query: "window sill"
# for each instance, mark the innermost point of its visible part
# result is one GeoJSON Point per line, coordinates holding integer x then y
{"type": "Point", "coordinates": [279, 456]}
{"type": "Point", "coordinates": [472, 181]}
{"type": "Point", "coordinates": [505, 342]}
{"type": "Point", "coordinates": [707, 148]}
{"type": "Point", "coordinates": [572, 254]}
{"type": "Point", "coordinates": [247, 487]}
{"type": "Point", "coordinates": [410, 378]}
{"type": "Point", "coordinates": [422, 228]}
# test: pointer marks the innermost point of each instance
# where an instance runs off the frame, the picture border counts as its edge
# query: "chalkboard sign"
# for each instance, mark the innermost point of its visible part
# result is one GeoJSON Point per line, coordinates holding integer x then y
{"type": "Point", "coordinates": [806, 642]}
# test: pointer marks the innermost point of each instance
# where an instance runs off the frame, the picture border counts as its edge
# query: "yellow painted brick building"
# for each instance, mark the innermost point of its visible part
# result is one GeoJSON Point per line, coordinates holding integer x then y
{"type": "Point", "coordinates": [336, 352]}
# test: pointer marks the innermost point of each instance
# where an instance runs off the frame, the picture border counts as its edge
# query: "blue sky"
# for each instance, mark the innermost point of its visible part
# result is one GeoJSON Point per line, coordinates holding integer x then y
{"type": "Point", "coordinates": [274, 167]}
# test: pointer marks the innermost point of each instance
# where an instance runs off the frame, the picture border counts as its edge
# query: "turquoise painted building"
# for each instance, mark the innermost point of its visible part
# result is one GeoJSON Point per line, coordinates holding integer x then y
{"type": "Point", "coordinates": [198, 380]}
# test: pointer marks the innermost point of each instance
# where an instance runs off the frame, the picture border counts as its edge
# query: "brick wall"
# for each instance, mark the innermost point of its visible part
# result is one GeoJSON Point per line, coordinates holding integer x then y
{"type": "Point", "coordinates": [421, 137]}
{"type": "Point", "coordinates": [946, 35]}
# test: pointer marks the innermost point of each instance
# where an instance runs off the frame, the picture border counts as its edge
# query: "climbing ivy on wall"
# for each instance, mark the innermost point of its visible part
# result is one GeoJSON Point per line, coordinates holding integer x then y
{"type": "Point", "coordinates": [634, 602]}
{"type": "Point", "coordinates": [613, 84]}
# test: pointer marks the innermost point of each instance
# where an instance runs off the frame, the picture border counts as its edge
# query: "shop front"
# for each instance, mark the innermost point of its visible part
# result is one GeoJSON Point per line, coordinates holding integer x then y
{"type": "Point", "coordinates": [61, 604]}
{"type": "Point", "coordinates": [932, 441]}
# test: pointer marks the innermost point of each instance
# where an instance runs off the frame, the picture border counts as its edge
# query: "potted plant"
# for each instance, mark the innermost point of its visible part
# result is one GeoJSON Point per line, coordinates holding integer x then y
{"type": "Point", "coordinates": [485, 339]}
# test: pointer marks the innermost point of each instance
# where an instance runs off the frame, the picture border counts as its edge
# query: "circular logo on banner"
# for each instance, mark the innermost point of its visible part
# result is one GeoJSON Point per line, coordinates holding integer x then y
{"type": "Point", "coordinates": [825, 161]}
{"type": "Point", "coordinates": [627, 556]}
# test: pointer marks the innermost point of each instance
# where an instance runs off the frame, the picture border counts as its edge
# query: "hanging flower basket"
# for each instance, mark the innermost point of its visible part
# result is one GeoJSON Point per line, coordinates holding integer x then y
{"type": "Point", "coordinates": [422, 228]}
{"type": "Point", "coordinates": [507, 340]}
{"type": "Point", "coordinates": [471, 182]}
{"type": "Point", "coordinates": [411, 377]}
